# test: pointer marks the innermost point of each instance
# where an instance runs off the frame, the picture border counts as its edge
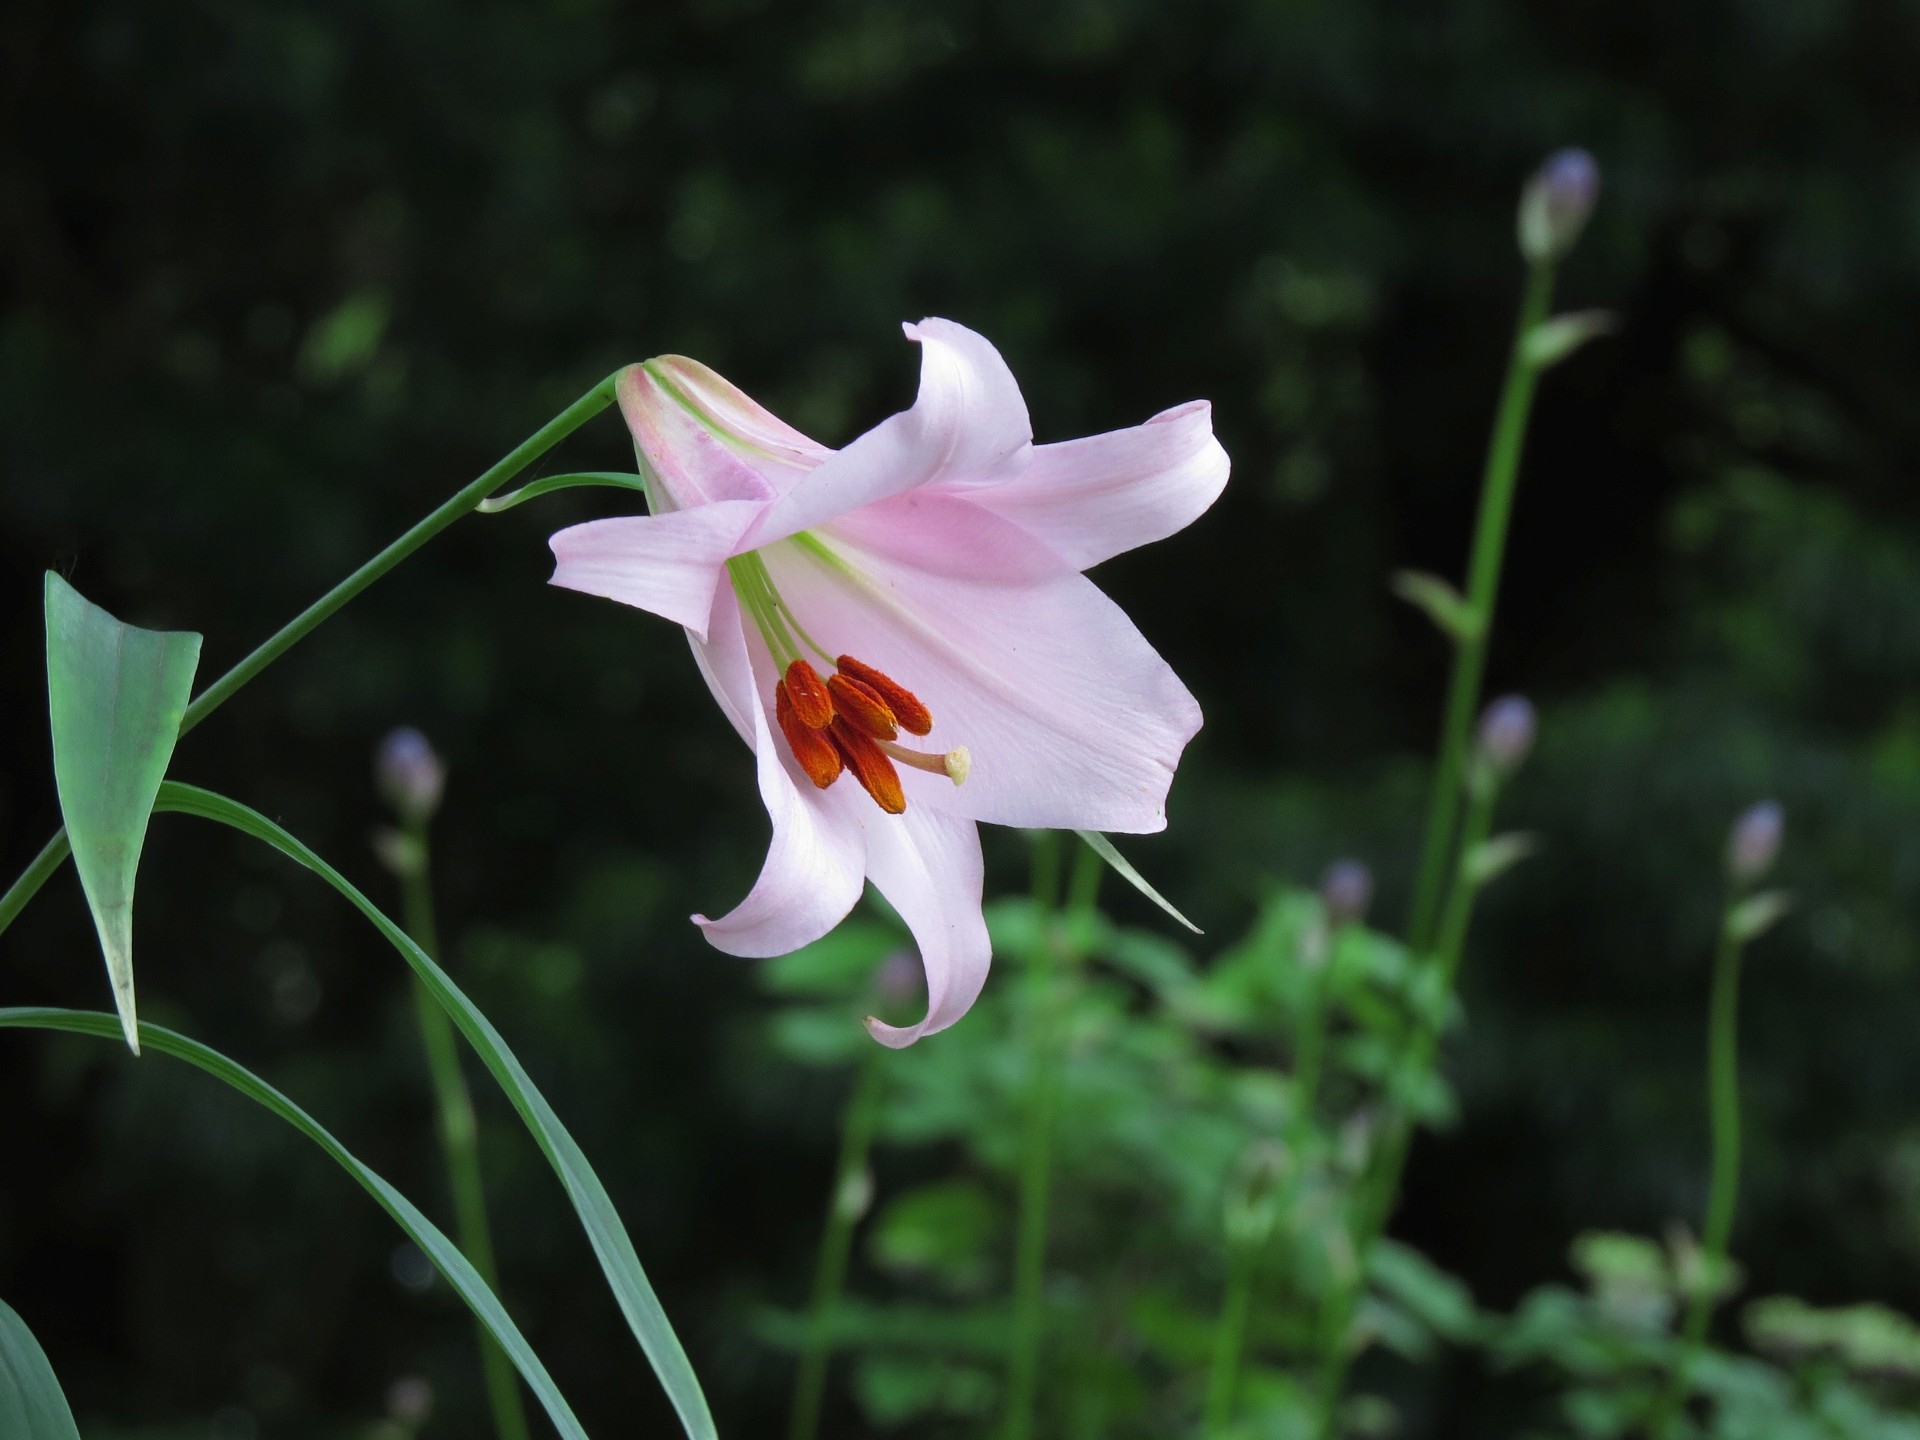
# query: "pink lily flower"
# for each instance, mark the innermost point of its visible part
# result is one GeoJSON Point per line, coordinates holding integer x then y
{"type": "Point", "coordinates": [932, 571]}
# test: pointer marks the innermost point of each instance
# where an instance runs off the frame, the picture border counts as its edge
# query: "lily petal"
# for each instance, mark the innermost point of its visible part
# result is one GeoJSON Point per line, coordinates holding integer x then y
{"type": "Point", "coordinates": [669, 564]}
{"type": "Point", "coordinates": [780, 454]}
{"type": "Point", "coordinates": [1073, 721]}
{"type": "Point", "coordinates": [686, 460]}
{"type": "Point", "coordinates": [814, 871]}
{"type": "Point", "coordinates": [968, 421]}
{"type": "Point", "coordinates": [928, 866]}
{"type": "Point", "coordinates": [1091, 499]}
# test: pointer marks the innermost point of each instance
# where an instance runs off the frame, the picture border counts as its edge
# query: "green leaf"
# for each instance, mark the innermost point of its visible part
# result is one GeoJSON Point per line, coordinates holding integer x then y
{"type": "Point", "coordinates": [1757, 914]}
{"type": "Point", "coordinates": [618, 479]}
{"type": "Point", "coordinates": [438, 1248]}
{"type": "Point", "coordinates": [591, 1203]}
{"type": "Point", "coordinates": [1103, 847]}
{"type": "Point", "coordinates": [1552, 341]}
{"type": "Point", "coordinates": [31, 1405]}
{"type": "Point", "coordinates": [1444, 605]}
{"type": "Point", "coordinates": [116, 695]}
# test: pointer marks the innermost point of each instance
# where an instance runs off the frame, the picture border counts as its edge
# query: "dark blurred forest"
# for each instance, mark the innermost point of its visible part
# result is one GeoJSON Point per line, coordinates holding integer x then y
{"type": "Point", "coordinates": [277, 277]}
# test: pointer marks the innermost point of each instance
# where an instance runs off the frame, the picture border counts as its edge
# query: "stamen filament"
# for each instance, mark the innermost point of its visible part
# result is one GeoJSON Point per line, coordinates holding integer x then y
{"type": "Point", "coordinates": [956, 764]}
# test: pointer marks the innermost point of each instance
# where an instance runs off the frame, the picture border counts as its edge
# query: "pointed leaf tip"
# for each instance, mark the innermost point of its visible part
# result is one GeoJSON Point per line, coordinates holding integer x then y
{"type": "Point", "coordinates": [1103, 847]}
{"type": "Point", "coordinates": [115, 697]}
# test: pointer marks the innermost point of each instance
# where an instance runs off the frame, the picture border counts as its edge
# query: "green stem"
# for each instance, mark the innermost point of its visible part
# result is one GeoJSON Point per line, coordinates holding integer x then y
{"type": "Point", "coordinates": [1229, 1339]}
{"type": "Point", "coordinates": [844, 1208]}
{"type": "Point", "coordinates": [303, 624]}
{"type": "Point", "coordinates": [1483, 585]}
{"type": "Point", "coordinates": [1046, 1067]}
{"type": "Point", "coordinates": [1374, 1203]}
{"type": "Point", "coordinates": [1723, 1105]}
{"type": "Point", "coordinates": [459, 1137]}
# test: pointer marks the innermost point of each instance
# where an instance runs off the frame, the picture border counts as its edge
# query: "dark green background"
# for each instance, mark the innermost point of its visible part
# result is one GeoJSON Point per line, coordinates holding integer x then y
{"type": "Point", "coordinates": [278, 277]}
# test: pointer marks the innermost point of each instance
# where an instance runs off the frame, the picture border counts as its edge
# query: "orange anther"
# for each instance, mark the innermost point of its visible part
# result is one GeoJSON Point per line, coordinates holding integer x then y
{"type": "Point", "coordinates": [811, 703]}
{"type": "Point", "coordinates": [860, 706]}
{"type": "Point", "coordinates": [870, 767]}
{"type": "Point", "coordinates": [913, 717]}
{"type": "Point", "coordinates": [812, 748]}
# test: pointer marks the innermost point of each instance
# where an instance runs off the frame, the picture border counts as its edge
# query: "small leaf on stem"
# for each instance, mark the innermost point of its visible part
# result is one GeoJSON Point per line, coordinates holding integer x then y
{"type": "Point", "coordinates": [1443, 604]}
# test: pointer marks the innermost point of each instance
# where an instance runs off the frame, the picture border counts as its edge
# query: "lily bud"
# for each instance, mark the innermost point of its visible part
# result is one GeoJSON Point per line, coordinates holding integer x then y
{"type": "Point", "coordinates": [1754, 842]}
{"type": "Point", "coordinates": [1506, 734]}
{"type": "Point", "coordinates": [410, 774]}
{"type": "Point", "coordinates": [1555, 205]}
{"type": "Point", "coordinates": [1346, 889]}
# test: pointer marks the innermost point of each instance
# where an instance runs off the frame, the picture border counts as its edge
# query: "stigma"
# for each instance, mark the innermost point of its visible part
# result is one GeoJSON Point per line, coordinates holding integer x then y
{"type": "Point", "coordinates": [851, 721]}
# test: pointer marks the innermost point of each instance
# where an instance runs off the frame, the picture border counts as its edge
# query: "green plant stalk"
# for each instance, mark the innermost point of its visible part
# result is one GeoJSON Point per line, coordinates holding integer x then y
{"type": "Point", "coordinates": [836, 1244]}
{"type": "Point", "coordinates": [1483, 586]}
{"type": "Point", "coordinates": [1230, 1338]}
{"type": "Point", "coordinates": [1723, 1108]}
{"type": "Point", "coordinates": [1047, 1067]}
{"type": "Point", "coordinates": [459, 1135]}
{"type": "Point", "coordinates": [1382, 1183]}
{"type": "Point", "coordinates": [308, 620]}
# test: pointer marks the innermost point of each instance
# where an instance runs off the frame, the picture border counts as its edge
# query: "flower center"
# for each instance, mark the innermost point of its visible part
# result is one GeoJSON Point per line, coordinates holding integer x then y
{"type": "Point", "coordinates": [849, 721]}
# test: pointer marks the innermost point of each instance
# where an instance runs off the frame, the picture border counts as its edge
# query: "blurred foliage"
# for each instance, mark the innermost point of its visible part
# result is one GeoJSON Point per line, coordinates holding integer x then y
{"type": "Point", "coordinates": [277, 277]}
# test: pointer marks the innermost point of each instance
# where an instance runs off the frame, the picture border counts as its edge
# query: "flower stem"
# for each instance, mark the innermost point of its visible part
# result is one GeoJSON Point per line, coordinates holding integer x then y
{"type": "Point", "coordinates": [459, 1136]}
{"type": "Point", "coordinates": [297, 629]}
{"type": "Point", "coordinates": [844, 1208]}
{"type": "Point", "coordinates": [1483, 585]}
{"type": "Point", "coordinates": [1377, 1189]}
{"type": "Point", "coordinates": [1229, 1338]}
{"type": "Point", "coordinates": [1723, 1106]}
{"type": "Point", "coordinates": [1046, 1067]}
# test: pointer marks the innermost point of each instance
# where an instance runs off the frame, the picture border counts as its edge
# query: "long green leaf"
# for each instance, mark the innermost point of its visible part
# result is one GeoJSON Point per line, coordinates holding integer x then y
{"type": "Point", "coordinates": [462, 1276]}
{"type": "Point", "coordinates": [1103, 847]}
{"type": "Point", "coordinates": [116, 694]}
{"type": "Point", "coordinates": [611, 1245]}
{"type": "Point", "coordinates": [32, 1406]}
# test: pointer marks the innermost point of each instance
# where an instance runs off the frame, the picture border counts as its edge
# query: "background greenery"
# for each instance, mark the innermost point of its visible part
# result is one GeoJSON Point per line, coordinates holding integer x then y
{"type": "Point", "coordinates": [279, 276]}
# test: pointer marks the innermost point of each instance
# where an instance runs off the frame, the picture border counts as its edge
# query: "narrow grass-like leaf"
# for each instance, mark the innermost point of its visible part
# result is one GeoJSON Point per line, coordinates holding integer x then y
{"type": "Point", "coordinates": [438, 1248]}
{"type": "Point", "coordinates": [32, 1406]}
{"type": "Point", "coordinates": [546, 485]}
{"type": "Point", "coordinates": [611, 1245]}
{"type": "Point", "coordinates": [116, 695]}
{"type": "Point", "coordinates": [1103, 847]}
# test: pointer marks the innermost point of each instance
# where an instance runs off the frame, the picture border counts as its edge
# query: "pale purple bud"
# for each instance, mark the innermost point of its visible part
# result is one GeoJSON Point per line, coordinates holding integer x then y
{"type": "Point", "coordinates": [1555, 205]}
{"type": "Point", "coordinates": [410, 1400]}
{"type": "Point", "coordinates": [901, 981]}
{"type": "Point", "coordinates": [1754, 842]}
{"type": "Point", "coordinates": [1506, 734]}
{"type": "Point", "coordinates": [1346, 889]}
{"type": "Point", "coordinates": [410, 775]}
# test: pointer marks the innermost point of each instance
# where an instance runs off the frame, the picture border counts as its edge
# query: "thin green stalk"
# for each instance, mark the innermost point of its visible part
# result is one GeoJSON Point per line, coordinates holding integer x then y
{"type": "Point", "coordinates": [844, 1209]}
{"type": "Point", "coordinates": [1723, 1105]}
{"type": "Point", "coordinates": [1229, 1338]}
{"type": "Point", "coordinates": [459, 1136]}
{"type": "Point", "coordinates": [1047, 1067]}
{"type": "Point", "coordinates": [1483, 586]}
{"type": "Point", "coordinates": [1382, 1182]}
{"type": "Point", "coordinates": [297, 629]}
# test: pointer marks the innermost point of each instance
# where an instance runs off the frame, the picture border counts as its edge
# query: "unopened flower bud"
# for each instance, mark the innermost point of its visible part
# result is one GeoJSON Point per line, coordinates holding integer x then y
{"type": "Point", "coordinates": [1346, 889]}
{"type": "Point", "coordinates": [1754, 841]}
{"type": "Point", "coordinates": [901, 982]}
{"type": "Point", "coordinates": [410, 775]}
{"type": "Point", "coordinates": [410, 1399]}
{"type": "Point", "coordinates": [1506, 734]}
{"type": "Point", "coordinates": [1556, 203]}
